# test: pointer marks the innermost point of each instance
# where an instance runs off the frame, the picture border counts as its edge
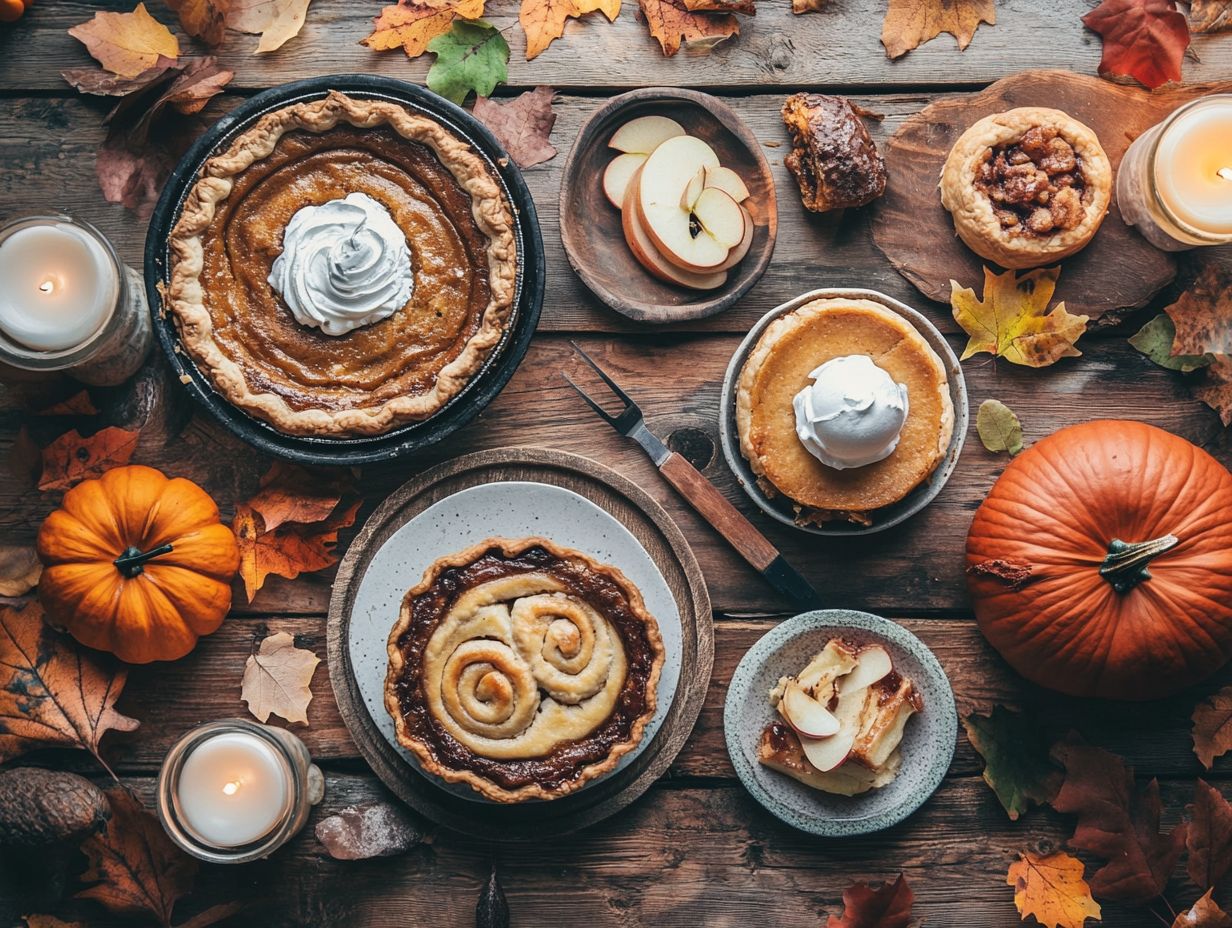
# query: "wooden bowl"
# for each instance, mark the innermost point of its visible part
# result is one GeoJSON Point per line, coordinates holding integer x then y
{"type": "Point", "coordinates": [590, 227]}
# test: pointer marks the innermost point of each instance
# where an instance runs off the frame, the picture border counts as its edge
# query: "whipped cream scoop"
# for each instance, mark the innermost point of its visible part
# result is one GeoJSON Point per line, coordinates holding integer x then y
{"type": "Point", "coordinates": [344, 264]}
{"type": "Point", "coordinates": [851, 414]}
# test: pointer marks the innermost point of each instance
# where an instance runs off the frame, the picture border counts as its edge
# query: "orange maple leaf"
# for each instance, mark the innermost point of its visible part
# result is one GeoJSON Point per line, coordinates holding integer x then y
{"type": "Point", "coordinates": [910, 23]}
{"type": "Point", "coordinates": [70, 458]}
{"type": "Point", "coordinates": [544, 20]}
{"type": "Point", "coordinates": [126, 43]}
{"type": "Point", "coordinates": [412, 26]}
{"type": "Point", "coordinates": [287, 551]}
{"type": "Point", "coordinates": [674, 25]}
{"type": "Point", "coordinates": [1052, 890]}
{"type": "Point", "coordinates": [290, 493]}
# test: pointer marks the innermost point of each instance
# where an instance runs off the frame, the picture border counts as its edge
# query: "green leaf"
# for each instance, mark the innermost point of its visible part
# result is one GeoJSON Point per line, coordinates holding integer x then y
{"type": "Point", "coordinates": [998, 427]}
{"type": "Point", "coordinates": [1155, 341]}
{"type": "Point", "coordinates": [1016, 760]}
{"type": "Point", "coordinates": [472, 55]}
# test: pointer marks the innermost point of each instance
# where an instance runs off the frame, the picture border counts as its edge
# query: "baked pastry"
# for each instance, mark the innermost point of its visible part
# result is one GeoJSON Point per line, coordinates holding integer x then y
{"type": "Point", "coordinates": [833, 157]}
{"type": "Point", "coordinates": [846, 476]}
{"type": "Point", "coordinates": [522, 668]}
{"type": "Point", "coordinates": [1027, 187]}
{"type": "Point", "coordinates": [343, 267]}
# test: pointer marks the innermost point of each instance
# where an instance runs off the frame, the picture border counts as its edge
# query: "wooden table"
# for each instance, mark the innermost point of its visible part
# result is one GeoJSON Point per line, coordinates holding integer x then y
{"type": "Point", "coordinates": [697, 850]}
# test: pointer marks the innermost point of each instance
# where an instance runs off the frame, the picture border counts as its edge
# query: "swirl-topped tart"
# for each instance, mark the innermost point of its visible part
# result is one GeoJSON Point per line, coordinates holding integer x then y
{"type": "Point", "coordinates": [343, 267]}
{"type": "Point", "coordinates": [522, 669]}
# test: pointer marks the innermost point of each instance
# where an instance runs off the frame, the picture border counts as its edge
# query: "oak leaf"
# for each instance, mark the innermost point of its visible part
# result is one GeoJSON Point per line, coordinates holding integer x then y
{"type": "Point", "coordinates": [1051, 889]}
{"type": "Point", "coordinates": [1215, 387]}
{"type": "Point", "coordinates": [1117, 822]}
{"type": "Point", "coordinates": [1155, 340]}
{"type": "Point", "coordinates": [998, 427]}
{"type": "Point", "coordinates": [1016, 763]}
{"type": "Point", "coordinates": [1204, 913]}
{"type": "Point", "coordinates": [1212, 727]}
{"type": "Point", "coordinates": [411, 26]}
{"type": "Point", "coordinates": [1143, 39]}
{"type": "Point", "coordinates": [910, 23]}
{"type": "Point", "coordinates": [887, 907]}
{"type": "Point", "coordinates": [290, 549]}
{"type": "Point", "coordinates": [1210, 16]}
{"type": "Point", "coordinates": [276, 21]}
{"type": "Point", "coordinates": [523, 126]}
{"type": "Point", "coordinates": [675, 26]}
{"type": "Point", "coordinates": [1202, 315]}
{"type": "Point", "coordinates": [20, 569]}
{"type": "Point", "coordinates": [52, 692]}
{"type": "Point", "coordinates": [126, 43]}
{"type": "Point", "coordinates": [138, 869]}
{"type": "Point", "coordinates": [1209, 837]}
{"type": "Point", "coordinates": [290, 493]}
{"type": "Point", "coordinates": [203, 19]}
{"type": "Point", "coordinates": [543, 21]}
{"type": "Point", "coordinates": [1012, 321]}
{"type": "Point", "coordinates": [277, 679]}
{"type": "Point", "coordinates": [71, 458]}
{"type": "Point", "coordinates": [470, 57]}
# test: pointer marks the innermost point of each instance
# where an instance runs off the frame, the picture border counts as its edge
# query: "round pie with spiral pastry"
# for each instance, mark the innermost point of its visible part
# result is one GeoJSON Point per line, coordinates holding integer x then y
{"type": "Point", "coordinates": [522, 669]}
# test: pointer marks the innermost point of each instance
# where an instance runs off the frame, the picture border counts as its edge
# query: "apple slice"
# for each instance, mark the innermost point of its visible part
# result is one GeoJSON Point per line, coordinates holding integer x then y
{"type": "Point", "coordinates": [644, 134]}
{"type": "Point", "coordinates": [694, 190]}
{"type": "Point", "coordinates": [827, 754]}
{"type": "Point", "coordinates": [872, 664]}
{"type": "Point", "coordinates": [720, 216]}
{"type": "Point", "coordinates": [728, 181]}
{"type": "Point", "coordinates": [737, 254]}
{"type": "Point", "coordinates": [806, 715]}
{"type": "Point", "coordinates": [665, 176]}
{"type": "Point", "coordinates": [618, 174]}
{"type": "Point", "coordinates": [648, 255]}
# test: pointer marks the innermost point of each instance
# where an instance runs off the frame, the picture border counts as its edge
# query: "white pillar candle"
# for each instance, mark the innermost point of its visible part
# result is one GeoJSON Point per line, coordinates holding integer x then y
{"type": "Point", "coordinates": [1193, 167]}
{"type": "Point", "coordinates": [58, 286]}
{"type": "Point", "coordinates": [233, 789]}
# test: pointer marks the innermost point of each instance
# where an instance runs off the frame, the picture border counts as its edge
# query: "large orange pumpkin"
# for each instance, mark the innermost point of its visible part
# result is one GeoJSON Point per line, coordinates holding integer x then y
{"type": "Point", "coordinates": [1101, 562]}
{"type": "Point", "coordinates": [137, 564]}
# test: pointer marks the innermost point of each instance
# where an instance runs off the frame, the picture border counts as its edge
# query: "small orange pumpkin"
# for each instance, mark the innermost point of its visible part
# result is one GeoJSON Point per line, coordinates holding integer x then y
{"type": "Point", "coordinates": [1057, 562]}
{"type": "Point", "coordinates": [12, 10]}
{"type": "Point", "coordinates": [137, 564]}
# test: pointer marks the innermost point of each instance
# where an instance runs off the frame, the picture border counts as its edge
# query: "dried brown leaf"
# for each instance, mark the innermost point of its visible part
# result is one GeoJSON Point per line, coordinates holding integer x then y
{"type": "Point", "coordinates": [523, 125]}
{"type": "Point", "coordinates": [1210, 16]}
{"type": "Point", "coordinates": [1212, 727]}
{"type": "Point", "coordinates": [20, 569]}
{"type": "Point", "coordinates": [203, 19]}
{"type": "Point", "coordinates": [1203, 314]}
{"type": "Point", "coordinates": [1215, 387]}
{"type": "Point", "coordinates": [910, 23]}
{"type": "Point", "coordinates": [276, 21]}
{"type": "Point", "coordinates": [411, 26]}
{"type": "Point", "coordinates": [1203, 914]}
{"type": "Point", "coordinates": [126, 43]}
{"type": "Point", "coordinates": [277, 679]}
{"type": "Point", "coordinates": [676, 27]}
{"type": "Point", "coordinates": [1209, 839]}
{"type": "Point", "coordinates": [71, 458]}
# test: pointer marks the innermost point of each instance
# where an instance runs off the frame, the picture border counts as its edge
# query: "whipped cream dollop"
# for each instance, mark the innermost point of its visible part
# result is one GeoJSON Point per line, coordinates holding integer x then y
{"type": "Point", "coordinates": [344, 264]}
{"type": "Point", "coordinates": [851, 414]}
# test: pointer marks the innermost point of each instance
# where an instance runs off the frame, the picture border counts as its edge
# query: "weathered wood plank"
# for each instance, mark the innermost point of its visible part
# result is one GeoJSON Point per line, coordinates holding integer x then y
{"type": "Point", "coordinates": [839, 48]}
{"type": "Point", "coordinates": [678, 857]}
{"type": "Point", "coordinates": [912, 568]}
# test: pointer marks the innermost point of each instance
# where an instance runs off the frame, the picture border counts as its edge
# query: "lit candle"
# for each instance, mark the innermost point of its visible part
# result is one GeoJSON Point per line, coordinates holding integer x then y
{"type": "Point", "coordinates": [1175, 182]}
{"type": "Point", "coordinates": [58, 286]}
{"type": "Point", "coordinates": [233, 789]}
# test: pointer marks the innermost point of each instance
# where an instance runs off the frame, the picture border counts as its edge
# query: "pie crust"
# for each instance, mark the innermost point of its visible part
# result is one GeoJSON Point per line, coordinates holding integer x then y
{"type": "Point", "coordinates": [405, 368]}
{"type": "Point", "coordinates": [778, 367]}
{"type": "Point", "coordinates": [522, 669]}
{"type": "Point", "coordinates": [982, 224]}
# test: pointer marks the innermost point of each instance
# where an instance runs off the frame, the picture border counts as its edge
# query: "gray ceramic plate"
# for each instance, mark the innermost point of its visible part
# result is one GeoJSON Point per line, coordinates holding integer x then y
{"type": "Point", "coordinates": [779, 507]}
{"type": "Point", "coordinates": [928, 743]}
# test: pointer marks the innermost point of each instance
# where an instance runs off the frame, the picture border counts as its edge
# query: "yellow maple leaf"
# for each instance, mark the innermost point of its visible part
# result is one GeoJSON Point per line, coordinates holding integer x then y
{"type": "Point", "coordinates": [126, 43]}
{"type": "Point", "coordinates": [674, 25]}
{"type": "Point", "coordinates": [1052, 890]}
{"type": "Point", "coordinates": [1012, 321]}
{"type": "Point", "coordinates": [543, 21]}
{"type": "Point", "coordinates": [411, 26]}
{"type": "Point", "coordinates": [910, 23]}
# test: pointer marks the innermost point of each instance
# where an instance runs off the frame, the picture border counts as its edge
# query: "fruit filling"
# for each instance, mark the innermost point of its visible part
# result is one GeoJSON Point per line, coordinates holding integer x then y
{"type": "Point", "coordinates": [1036, 185]}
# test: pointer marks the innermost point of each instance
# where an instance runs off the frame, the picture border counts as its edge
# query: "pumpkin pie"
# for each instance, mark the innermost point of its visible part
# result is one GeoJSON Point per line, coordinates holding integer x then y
{"type": "Point", "coordinates": [522, 669]}
{"type": "Point", "coordinates": [1027, 187]}
{"type": "Point", "coordinates": [343, 267]}
{"type": "Point", "coordinates": [787, 358]}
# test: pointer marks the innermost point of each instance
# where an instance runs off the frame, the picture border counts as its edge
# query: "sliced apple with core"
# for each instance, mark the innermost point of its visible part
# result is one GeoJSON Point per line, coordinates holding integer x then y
{"type": "Point", "coordinates": [720, 216]}
{"type": "Point", "coordinates": [872, 664]}
{"type": "Point", "coordinates": [736, 255]}
{"type": "Point", "coordinates": [644, 134]}
{"type": "Point", "coordinates": [827, 754]}
{"type": "Point", "coordinates": [648, 255]}
{"type": "Point", "coordinates": [728, 181]}
{"type": "Point", "coordinates": [806, 715]}
{"type": "Point", "coordinates": [693, 190]}
{"type": "Point", "coordinates": [618, 174]}
{"type": "Point", "coordinates": [679, 237]}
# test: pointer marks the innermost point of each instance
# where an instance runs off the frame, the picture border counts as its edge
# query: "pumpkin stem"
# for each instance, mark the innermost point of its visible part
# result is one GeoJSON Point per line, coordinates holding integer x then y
{"type": "Point", "coordinates": [132, 561]}
{"type": "Point", "coordinates": [1125, 565]}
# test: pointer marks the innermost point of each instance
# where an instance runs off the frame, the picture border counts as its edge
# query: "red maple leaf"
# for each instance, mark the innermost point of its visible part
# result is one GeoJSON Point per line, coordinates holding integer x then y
{"type": "Point", "coordinates": [1210, 837]}
{"type": "Point", "coordinates": [888, 907]}
{"type": "Point", "coordinates": [1143, 39]}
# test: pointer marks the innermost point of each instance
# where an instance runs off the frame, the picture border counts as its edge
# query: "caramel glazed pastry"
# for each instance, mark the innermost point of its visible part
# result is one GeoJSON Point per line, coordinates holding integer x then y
{"type": "Point", "coordinates": [1027, 187]}
{"type": "Point", "coordinates": [523, 669]}
{"type": "Point", "coordinates": [843, 408]}
{"type": "Point", "coordinates": [834, 160]}
{"type": "Point", "coordinates": [343, 267]}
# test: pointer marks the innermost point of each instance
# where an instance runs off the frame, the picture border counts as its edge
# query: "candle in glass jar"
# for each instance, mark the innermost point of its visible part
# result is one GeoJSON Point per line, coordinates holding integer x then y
{"type": "Point", "coordinates": [58, 286]}
{"type": "Point", "coordinates": [1193, 173]}
{"type": "Point", "coordinates": [233, 789]}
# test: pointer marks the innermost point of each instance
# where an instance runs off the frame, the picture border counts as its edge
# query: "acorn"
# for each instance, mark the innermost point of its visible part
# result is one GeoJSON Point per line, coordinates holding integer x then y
{"type": "Point", "coordinates": [41, 807]}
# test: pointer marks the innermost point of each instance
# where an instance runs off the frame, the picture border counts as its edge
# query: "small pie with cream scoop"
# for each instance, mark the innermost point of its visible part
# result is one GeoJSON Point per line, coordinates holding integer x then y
{"type": "Point", "coordinates": [343, 267]}
{"type": "Point", "coordinates": [522, 669]}
{"type": "Point", "coordinates": [843, 408]}
{"type": "Point", "coordinates": [1027, 187]}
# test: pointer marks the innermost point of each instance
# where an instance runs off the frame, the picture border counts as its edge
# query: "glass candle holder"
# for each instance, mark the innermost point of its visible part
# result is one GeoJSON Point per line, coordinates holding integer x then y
{"type": "Point", "coordinates": [1175, 181]}
{"type": "Point", "coordinates": [234, 791]}
{"type": "Point", "coordinates": [67, 303]}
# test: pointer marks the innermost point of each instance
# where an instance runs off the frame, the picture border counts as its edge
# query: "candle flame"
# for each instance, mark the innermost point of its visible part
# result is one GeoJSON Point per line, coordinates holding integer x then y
{"type": "Point", "coordinates": [1225, 173]}
{"type": "Point", "coordinates": [47, 286]}
{"type": "Point", "coordinates": [230, 789]}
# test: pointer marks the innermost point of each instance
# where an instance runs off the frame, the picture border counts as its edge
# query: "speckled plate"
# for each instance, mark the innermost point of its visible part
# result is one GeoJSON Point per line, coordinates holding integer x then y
{"type": "Point", "coordinates": [928, 743]}
{"type": "Point", "coordinates": [779, 507]}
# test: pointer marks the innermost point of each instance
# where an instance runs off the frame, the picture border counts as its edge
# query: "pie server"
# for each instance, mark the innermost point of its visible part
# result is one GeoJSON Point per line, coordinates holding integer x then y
{"type": "Point", "coordinates": [702, 495]}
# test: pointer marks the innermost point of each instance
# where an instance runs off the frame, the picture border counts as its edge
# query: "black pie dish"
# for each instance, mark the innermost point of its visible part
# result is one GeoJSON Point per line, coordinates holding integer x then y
{"type": "Point", "coordinates": [483, 387]}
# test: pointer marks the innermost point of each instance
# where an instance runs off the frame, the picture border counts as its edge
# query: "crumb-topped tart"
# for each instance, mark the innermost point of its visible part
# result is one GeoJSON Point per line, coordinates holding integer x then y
{"type": "Point", "coordinates": [522, 669]}
{"type": "Point", "coordinates": [1027, 186]}
{"type": "Point", "coordinates": [343, 267]}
